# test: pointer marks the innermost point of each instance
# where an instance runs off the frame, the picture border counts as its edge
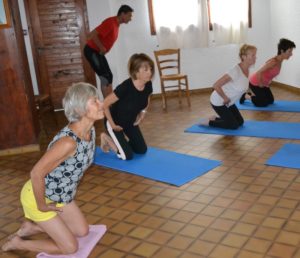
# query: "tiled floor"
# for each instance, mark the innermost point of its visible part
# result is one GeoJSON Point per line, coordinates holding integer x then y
{"type": "Point", "coordinates": [242, 208]}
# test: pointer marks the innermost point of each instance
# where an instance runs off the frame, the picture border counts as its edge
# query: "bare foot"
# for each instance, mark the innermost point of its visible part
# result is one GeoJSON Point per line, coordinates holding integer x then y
{"type": "Point", "coordinates": [28, 228]}
{"type": "Point", "coordinates": [213, 118]}
{"type": "Point", "coordinates": [107, 143]}
{"type": "Point", "coordinates": [204, 121]}
{"type": "Point", "coordinates": [12, 244]}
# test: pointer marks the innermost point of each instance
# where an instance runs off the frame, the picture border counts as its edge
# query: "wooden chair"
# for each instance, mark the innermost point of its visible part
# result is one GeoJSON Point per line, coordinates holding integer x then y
{"type": "Point", "coordinates": [168, 64]}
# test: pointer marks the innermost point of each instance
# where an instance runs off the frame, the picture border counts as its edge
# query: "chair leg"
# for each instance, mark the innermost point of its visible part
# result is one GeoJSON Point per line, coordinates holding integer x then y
{"type": "Point", "coordinates": [179, 92]}
{"type": "Point", "coordinates": [187, 92]}
{"type": "Point", "coordinates": [164, 97]}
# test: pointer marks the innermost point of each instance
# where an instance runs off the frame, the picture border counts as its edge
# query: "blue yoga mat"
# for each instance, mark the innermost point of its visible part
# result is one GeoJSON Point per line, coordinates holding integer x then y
{"type": "Point", "coordinates": [279, 105]}
{"type": "Point", "coordinates": [287, 156]}
{"type": "Point", "coordinates": [160, 165]}
{"type": "Point", "coordinates": [265, 129]}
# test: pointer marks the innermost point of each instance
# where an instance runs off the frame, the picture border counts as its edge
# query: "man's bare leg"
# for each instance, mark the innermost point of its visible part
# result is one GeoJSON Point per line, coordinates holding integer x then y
{"type": "Point", "coordinates": [106, 90]}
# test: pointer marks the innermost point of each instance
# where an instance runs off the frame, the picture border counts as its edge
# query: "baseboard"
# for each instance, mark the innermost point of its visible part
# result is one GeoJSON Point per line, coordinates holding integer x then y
{"type": "Point", "coordinates": [285, 87]}
{"type": "Point", "coordinates": [20, 150]}
{"type": "Point", "coordinates": [174, 93]}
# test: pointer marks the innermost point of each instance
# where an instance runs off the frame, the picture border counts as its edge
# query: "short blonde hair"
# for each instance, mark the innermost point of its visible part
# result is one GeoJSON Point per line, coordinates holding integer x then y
{"type": "Point", "coordinates": [136, 61]}
{"type": "Point", "coordinates": [76, 98]}
{"type": "Point", "coordinates": [244, 49]}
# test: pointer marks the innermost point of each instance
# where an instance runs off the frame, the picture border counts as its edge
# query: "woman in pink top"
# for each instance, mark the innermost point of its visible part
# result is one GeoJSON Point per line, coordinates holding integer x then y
{"type": "Point", "coordinates": [261, 80]}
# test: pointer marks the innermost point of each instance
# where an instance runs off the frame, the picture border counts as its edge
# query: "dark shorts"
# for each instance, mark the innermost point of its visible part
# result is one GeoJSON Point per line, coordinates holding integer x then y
{"type": "Point", "coordinates": [99, 64]}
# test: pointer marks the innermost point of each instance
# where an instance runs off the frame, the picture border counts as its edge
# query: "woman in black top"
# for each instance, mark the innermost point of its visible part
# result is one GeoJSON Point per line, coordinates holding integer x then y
{"type": "Point", "coordinates": [126, 107]}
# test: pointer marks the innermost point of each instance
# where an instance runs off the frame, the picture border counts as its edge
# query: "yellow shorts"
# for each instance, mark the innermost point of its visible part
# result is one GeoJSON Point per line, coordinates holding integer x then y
{"type": "Point", "coordinates": [30, 207]}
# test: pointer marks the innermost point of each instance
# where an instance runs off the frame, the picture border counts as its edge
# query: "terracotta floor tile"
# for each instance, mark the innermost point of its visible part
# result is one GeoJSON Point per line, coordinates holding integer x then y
{"type": "Point", "coordinates": [180, 242]}
{"type": "Point", "coordinates": [172, 226]}
{"type": "Point", "coordinates": [288, 238]}
{"type": "Point", "coordinates": [140, 232]}
{"type": "Point", "coordinates": [146, 249]}
{"type": "Point", "coordinates": [295, 215]}
{"type": "Point", "coordinates": [280, 213]}
{"type": "Point", "coordinates": [136, 218]}
{"type": "Point", "coordinates": [212, 235]}
{"type": "Point", "coordinates": [160, 237]}
{"type": "Point", "coordinates": [282, 251]}
{"type": "Point", "coordinates": [149, 209]}
{"type": "Point", "coordinates": [191, 231]}
{"type": "Point", "coordinates": [154, 222]}
{"type": "Point", "coordinates": [167, 252]}
{"type": "Point", "coordinates": [247, 254]}
{"type": "Point", "coordinates": [266, 233]}
{"type": "Point", "coordinates": [231, 214]}
{"type": "Point", "coordinates": [126, 244]}
{"type": "Point", "coordinates": [202, 220]}
{"type": "Point", "coordinates": [122, 228]}
{"type": "Point", "coordinates": [252, 218]}
{"type": "Point", "coordinates": [223, 224]}
{"type": "Point", "coordinates": [224, 252]}
{"type": "Point", "coordinates": [257, 245]}
{"type": "Point", "coordinates": [201, 248]}
{"type": "Point", "coordinates": [273, 222]}
{"type": "Point", "coordinates": [234, 240]}
{"type": "Point", "coordinates": [184, 216]}
{"type": "Point", "coordinates": [112, 254]}
{"type": "Point", "coordinates": [244, 229]}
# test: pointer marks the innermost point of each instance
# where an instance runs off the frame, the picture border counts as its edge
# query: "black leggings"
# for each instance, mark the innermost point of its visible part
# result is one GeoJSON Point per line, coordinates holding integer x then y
{"type": "Point", "coordinates": [263, 96]}
{"type": "Point", "coordinates": [229, 117]}
{"type": "Point", "coordinates": [99, 63]}
{"type": "Point", "coordinates": [134, 144]}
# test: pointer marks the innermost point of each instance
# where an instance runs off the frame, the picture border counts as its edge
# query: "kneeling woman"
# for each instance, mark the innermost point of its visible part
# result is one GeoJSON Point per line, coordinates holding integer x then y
{"type": "Point", "coordinates": [48, 197]}
{"type": "Point", "coordinates": [228, 89]}
{"type": "Point", "coordinates": [126, 107]}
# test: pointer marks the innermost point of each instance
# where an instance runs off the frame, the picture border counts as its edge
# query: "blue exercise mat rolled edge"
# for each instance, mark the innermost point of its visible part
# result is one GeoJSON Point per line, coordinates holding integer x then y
{"type": "Point", "coordinates": [251, 128]}
{"type": "Point", "coordinates": [160, 165]}
{"type": "Point", "coordinates": [278, 105]}
{"type": "Point", "coordinates": [287, 156]}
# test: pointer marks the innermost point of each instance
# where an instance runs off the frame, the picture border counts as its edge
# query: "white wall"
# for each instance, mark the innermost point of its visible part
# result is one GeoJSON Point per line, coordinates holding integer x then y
{"type": "Point", "coordinates": [271, 19]}
{"type": "Point", "coordinates": [203, 66]}
{"type": "Point", "coordinates": [285, 23]}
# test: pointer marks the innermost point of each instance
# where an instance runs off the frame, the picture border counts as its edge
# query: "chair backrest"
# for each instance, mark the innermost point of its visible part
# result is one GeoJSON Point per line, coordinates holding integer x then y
{"type": "Point", "coordinates": [168, 61]}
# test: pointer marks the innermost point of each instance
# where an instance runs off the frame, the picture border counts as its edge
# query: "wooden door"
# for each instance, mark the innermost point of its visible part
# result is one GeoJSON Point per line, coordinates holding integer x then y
{"type": "Point", "coordinates": [58, 32]}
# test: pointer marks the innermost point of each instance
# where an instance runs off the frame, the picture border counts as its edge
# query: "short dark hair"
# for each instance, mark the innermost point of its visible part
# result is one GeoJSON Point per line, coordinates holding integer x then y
{"type": "Point", "coordinates": [284, 45]}
{"type": "Point", "coordinates": [124, 9]}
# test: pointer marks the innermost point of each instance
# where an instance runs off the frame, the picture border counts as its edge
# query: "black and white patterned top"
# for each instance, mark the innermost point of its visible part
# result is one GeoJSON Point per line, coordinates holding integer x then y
{"type": "Point", "coordinates": [61, 183]}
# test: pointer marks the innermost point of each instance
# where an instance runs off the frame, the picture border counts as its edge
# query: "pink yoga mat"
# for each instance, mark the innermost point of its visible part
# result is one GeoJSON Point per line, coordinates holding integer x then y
{"type": "Point", "coordinates": [86, 244]}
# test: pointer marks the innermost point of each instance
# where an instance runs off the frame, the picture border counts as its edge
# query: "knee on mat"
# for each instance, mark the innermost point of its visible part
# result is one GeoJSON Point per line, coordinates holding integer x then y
{"type": "Point", "coordinates": [141, 150]}
{"type": "Point", "coordinates": [234, 127]}
{"type": "Point", "coordinates": [70, 247]}
{"type": "Point", "coordinates": [84, 231]}
{"type": "Point", "coordinates": [129, 156]}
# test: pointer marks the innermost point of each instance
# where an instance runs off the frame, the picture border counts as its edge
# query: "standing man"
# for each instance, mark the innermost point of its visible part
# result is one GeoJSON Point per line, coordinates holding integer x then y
{"type": "Point", "coordinates": [101, 40]}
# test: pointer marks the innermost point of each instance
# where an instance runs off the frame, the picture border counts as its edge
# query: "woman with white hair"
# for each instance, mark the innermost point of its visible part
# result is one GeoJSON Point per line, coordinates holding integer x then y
{"type": "Point", "coordinates": [48, 197]}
